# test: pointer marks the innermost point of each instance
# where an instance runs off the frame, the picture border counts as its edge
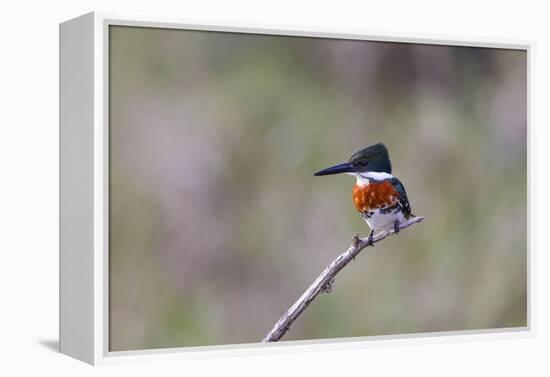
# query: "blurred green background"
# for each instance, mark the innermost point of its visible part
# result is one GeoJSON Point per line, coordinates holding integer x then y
{"type": "Point", "coordinates": [217, 224]}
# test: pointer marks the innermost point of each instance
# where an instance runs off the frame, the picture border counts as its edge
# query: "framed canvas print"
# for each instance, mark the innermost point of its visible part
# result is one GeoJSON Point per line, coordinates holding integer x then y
{"type": "Point", "coordinates": [228, 189]}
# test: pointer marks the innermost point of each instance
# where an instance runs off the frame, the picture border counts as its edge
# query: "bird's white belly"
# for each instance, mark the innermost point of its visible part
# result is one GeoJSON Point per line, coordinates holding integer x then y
{"type": "Point", "coordinates": [383, 221]}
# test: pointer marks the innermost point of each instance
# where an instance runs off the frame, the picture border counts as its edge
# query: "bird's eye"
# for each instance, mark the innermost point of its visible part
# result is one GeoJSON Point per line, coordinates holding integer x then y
{"type": "Point", "coordinates": [363, 163]}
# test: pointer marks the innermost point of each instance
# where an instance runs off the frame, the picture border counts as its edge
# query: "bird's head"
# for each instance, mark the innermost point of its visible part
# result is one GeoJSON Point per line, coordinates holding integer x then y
{"type": "Point", "coordinates": [374, 158]}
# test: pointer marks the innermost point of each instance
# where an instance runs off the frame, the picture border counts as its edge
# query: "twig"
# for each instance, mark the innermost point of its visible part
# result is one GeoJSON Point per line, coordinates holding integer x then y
{"type": "Point", "coordinates": [324, 282]}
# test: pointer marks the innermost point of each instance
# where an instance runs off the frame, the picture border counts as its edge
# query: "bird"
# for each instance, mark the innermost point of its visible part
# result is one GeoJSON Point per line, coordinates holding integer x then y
{"type": "Point", "coordinates": [378, 196]}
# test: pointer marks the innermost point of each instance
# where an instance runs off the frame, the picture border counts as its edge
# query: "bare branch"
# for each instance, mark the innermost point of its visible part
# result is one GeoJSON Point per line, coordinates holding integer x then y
{"type": "Point", "coordinates": [324, 282]}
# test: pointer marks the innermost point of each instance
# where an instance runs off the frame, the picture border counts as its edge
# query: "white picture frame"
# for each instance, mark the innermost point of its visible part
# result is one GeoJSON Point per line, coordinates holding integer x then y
{"type": "Point", "coordinates": [84, 200]}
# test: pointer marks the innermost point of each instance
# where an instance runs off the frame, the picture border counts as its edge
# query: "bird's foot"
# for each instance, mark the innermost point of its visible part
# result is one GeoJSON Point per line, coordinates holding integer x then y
{"type": "Point", "coordinates": [396, 227]}
{"type": "Point", "coordinates": [370, 239]}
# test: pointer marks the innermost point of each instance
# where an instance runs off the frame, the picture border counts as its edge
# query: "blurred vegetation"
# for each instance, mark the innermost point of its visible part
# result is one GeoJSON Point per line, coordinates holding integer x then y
{"type": "Point", "coordinates": [217, 224]}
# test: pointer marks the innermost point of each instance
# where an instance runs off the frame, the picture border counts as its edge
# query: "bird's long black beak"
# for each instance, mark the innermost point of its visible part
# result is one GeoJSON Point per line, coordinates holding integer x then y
{"type": "Point", "coordinates": [344, 167]}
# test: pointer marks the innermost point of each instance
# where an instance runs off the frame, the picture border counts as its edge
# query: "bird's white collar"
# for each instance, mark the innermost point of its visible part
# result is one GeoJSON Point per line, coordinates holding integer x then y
{"type": "Point", "coordinates": [364, 178]}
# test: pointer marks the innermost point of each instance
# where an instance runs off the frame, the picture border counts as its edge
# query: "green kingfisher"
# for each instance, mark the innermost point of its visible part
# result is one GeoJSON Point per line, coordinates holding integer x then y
{"type": "Point", "coordinates": [378, 195]}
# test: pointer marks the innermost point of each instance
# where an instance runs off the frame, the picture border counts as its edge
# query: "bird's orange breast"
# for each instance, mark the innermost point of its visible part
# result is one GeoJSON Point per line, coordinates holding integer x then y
{"type": "Point", "coordinates": [374, 195]}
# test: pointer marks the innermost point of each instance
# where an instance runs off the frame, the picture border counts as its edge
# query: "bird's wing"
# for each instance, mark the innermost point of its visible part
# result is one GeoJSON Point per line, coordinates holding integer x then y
{"type": "Point", "coordinates": [402, 200]}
